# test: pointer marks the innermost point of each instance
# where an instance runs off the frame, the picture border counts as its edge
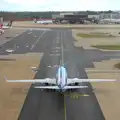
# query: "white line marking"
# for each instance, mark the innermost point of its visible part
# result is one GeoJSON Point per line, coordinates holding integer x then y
{"type": "Point", "coordinates": [37, 40]}
{"type": "Point", "coordinates": [26, 45]}
{"type": "Point", "coordinates": [55, 51]}
{"type": "Point", "coordinates": [29, 33]}
{"type": "Point", "coordinates": [56, 48]}
{"type": "Point", "coordinates": [9, 50]}
{"type": "Point", "coordinates": [54, 54]}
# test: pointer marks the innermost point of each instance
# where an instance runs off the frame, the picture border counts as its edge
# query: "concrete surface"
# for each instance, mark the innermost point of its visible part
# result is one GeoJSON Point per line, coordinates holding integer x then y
{"type": "Point", "coordinates": [87, 42]}
{"type": "Point", "coordinates": [12, 96]}
{"type": "Point", "coordinates": [52, 105]}
{"type": "Point", "coordinates": [107, 93]}
{"type": "Point", "coordinates": [89, 26]}
{"type": "Point", "coordinates": [39, 103]}
{"type": "Point", "coordinates": [10, 34]}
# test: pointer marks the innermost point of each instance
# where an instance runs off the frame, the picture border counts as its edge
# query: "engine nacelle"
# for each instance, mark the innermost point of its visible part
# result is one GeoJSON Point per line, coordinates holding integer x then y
{"type": "Point", "coordinates": [76, 83]}
{"type": "Point", "coordinates": [46, 84]}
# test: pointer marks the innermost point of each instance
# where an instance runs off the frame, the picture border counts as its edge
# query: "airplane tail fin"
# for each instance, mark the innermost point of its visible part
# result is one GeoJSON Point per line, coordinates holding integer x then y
{"type": "Point", "coordinates": [63, 64]}
{"type": "Point", "coordinates": [74, 87]}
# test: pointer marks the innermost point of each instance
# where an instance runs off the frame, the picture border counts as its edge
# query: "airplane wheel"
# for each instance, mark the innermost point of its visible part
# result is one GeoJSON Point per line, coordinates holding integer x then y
{"type": "Point", "coordinates": [49, 90]}
{"type": "Point", "coordinates": [54, 90]}
{"type": "Point", "coordinates": [69, 90]}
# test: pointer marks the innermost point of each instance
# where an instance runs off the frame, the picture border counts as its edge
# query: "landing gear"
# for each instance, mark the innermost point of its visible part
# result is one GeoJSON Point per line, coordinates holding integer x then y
{"type": "Point", "coordinates": [76, 83]}
{"type": "Point", "coordinates": [49, 90]}
{"type": "Point", "coordinates": [46, 84]}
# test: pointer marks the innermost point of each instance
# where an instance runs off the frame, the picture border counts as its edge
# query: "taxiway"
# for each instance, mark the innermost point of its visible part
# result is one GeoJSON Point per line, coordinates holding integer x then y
{"type": "Point", "coordinates": [45, 105]}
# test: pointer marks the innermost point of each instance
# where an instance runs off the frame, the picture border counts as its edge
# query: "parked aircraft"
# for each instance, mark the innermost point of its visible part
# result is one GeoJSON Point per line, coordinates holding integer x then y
{"type": "Point", "coordinates": [117, 21]}
{"type": "Point", "coordinates": [41, 21]}
{"type": "Point", "coordinates": [61, 82]}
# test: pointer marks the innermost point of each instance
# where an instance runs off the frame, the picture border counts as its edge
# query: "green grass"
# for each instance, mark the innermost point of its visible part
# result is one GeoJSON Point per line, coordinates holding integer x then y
{"type": "Point", "coordinates": [107, 47]}
{"type": "Point", "coordinates": [100, 33]}
{"type": "Point", "coordinates": [93, 35]}
{"type": "Point", "coordinates": [117, 65]}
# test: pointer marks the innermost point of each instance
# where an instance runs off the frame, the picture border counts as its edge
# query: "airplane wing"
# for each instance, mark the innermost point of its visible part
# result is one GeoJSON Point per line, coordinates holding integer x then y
{"type": "Point", "coordinates": [46, 80]}
{"type": "Point", "coordinates": [103, 71]}
{"type": "Point", "coordinates": [77, 80]}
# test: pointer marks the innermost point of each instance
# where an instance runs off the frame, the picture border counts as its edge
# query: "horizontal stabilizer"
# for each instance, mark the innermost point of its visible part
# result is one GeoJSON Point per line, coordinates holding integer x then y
{"type": "Point", "coordinates": [47, 87]}
{"type": "Point", "coordinates": [56, 87]}
{"type": "Point", "coordinates": [74, 87]}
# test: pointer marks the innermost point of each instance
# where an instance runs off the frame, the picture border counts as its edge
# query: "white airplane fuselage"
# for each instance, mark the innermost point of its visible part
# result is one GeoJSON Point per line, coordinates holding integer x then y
{"type": "Point", "coordinates": [45, 22]}
{"type": "Point", "coordinates": [61, 78]}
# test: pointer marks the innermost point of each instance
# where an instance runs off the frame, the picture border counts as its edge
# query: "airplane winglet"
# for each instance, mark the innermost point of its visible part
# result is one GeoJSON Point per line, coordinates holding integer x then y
{"type": "Point", "coordinates": [34, 69]}
{"type": "Point", "coordinates": [5, 78]}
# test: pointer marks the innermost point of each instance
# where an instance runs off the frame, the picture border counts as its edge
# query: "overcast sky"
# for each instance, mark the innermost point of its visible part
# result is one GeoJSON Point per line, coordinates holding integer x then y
{"type": "Point", "coordinates": [59, 5]}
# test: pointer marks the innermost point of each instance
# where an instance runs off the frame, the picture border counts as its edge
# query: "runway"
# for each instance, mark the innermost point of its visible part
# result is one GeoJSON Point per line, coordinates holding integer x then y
{"type": "Point", "coordinates": [45, 105]}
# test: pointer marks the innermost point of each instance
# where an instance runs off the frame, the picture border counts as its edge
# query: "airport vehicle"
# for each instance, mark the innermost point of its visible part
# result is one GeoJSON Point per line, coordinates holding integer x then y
{"type": "Point", "coordinates": [61, 82]}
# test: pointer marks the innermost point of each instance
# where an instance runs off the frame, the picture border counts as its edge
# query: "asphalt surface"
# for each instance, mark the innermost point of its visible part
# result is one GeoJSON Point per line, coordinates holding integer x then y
{"type": "Point", "coordinates": [49, 105]}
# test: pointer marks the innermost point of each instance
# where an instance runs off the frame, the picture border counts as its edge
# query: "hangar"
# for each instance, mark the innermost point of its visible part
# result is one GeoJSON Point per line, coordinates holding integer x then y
{"type": "Point", "coordinates": [71, 18]}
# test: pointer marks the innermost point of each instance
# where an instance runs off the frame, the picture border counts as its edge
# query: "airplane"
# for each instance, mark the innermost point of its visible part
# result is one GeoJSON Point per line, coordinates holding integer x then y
{"type": "Point", "coordinates": [117, 21]}
{"type": "Point", "coordinates": [61, 83]}
{"type": "Point", "coordinates": [41, 21]}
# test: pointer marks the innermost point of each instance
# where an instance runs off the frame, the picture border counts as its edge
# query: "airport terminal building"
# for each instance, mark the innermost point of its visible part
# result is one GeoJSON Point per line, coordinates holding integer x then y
{"type": "Point", "coordinates": [76, 17]}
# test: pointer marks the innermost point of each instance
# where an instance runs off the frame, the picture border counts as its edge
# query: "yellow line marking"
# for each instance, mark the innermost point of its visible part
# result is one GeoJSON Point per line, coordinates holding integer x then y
{"type": "Point", "coordinates": [65, 109]}
{"type": "Point", "coordinates": [86, 95]}
{"type": "Point", "coordinates": [76, 95]}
